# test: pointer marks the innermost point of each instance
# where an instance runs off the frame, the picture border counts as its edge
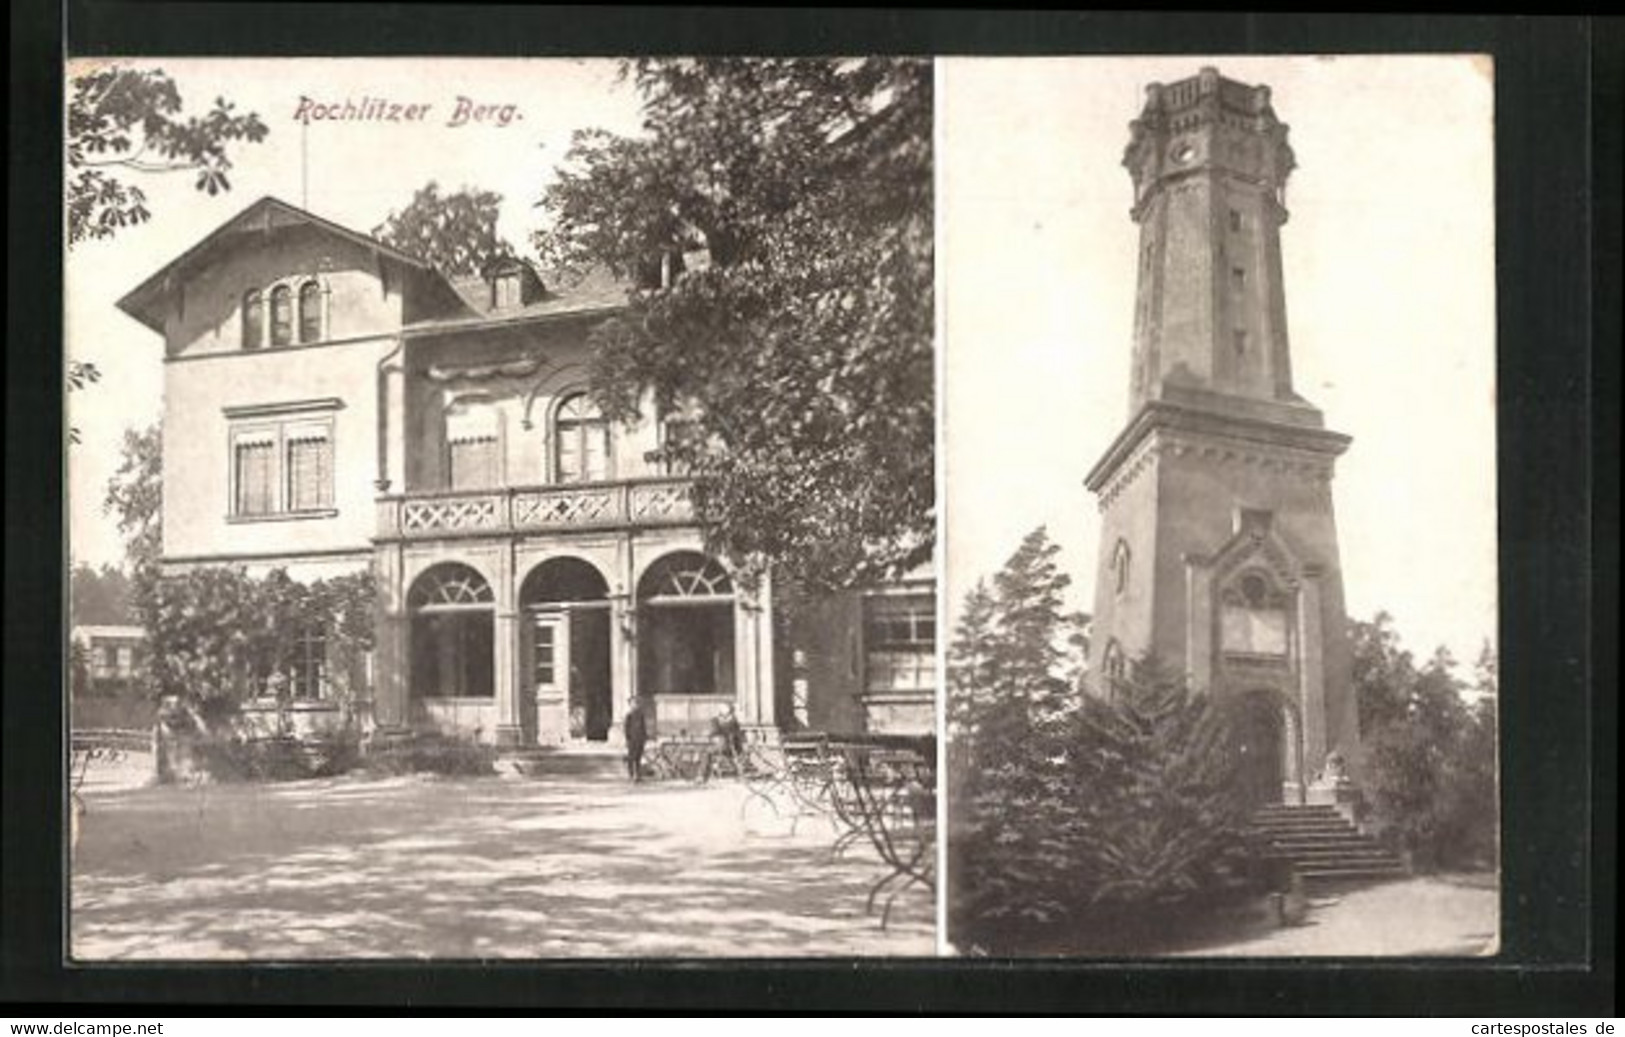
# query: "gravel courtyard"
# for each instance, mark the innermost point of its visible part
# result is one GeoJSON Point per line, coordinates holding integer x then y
{"type": "Point", "coordinates": [426, 867]}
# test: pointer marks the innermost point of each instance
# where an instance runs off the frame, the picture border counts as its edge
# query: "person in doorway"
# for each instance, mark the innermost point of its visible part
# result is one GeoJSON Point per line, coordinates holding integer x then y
{"type": "Point", "coordinates": [637, 734]}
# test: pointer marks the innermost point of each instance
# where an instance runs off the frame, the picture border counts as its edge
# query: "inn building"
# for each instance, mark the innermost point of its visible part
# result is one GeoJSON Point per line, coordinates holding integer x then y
{"type": "Point", "coordinates": [333, 405]}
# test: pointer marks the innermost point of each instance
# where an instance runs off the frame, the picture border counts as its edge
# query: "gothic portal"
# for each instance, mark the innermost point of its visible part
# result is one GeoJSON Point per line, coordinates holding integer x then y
{"type": "Point", "coordinates": [1218, 552]}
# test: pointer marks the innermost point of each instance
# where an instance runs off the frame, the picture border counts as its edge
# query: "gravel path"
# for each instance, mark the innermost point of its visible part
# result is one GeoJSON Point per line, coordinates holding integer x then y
{"type": "Point", "coordinates": [467, 868]}
{"type": "Point", "coordinates": [1441, 916]}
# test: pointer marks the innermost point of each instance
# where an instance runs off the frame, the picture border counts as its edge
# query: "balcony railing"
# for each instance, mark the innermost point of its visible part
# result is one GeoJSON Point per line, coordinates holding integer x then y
{"type": "Point", "coordinates": [610, 505]}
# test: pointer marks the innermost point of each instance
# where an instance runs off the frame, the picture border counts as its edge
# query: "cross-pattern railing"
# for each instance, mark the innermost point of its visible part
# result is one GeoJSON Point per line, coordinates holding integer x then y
{"type": "Point", "coordinates": [644, 502]}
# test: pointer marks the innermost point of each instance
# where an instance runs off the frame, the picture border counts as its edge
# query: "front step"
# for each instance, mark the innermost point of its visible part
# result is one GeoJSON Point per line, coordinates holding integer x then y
{"type": "Point", "coordinates": [591, 761]}
{"type": "Point", "coordinates": [1323, 847]}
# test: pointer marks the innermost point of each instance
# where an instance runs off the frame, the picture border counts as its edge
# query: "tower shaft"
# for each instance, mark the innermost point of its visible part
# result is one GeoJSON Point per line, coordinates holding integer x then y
{"type": "Point", "coordinates": [1218, 555]}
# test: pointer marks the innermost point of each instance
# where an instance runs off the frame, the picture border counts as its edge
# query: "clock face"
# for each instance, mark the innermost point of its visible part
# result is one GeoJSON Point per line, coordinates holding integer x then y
{"type": "Point", "coordinates": [1182, 153]}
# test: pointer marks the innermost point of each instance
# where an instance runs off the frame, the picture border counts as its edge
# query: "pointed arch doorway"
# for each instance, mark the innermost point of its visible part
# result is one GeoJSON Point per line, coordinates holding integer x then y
{"type": "Point", "coordinates": [1261, 731]}
{"type": "Point", "coordinates": [567, 694]}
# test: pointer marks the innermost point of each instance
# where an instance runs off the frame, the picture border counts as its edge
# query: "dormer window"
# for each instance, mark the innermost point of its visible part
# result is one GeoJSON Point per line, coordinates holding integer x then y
{"type": "Point", "coordinates": [506, 290]}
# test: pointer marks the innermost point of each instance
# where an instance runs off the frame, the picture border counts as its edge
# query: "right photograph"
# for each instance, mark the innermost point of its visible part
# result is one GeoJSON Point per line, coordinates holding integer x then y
{"type": "Point", "coordinates": [1220, 467]}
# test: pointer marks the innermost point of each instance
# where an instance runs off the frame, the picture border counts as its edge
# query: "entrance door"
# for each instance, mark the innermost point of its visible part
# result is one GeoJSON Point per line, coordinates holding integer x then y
{"type": "Point", "coordinates": [1259, 742]}
{"type": "Point", "coordinates": [548, 673]}
{"type": "Point", "coordinates": [590, 690]}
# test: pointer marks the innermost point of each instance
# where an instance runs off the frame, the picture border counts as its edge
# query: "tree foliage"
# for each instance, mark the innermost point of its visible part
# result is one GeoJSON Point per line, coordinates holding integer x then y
{"type": "Point", "coordinates": [135, 494]}
{"type": "Point", "coordinates": [99, 596]}
{"type": "Point", "coordinates": [788, 204]}
{"type": "Point", "coordinates": [1076, 817]}
{"type": "Point", "coordinates": [216, 634]}
{"type": "Point", "coordinates": [1430, 749]}
{"type": "Point", "coordinates": [122, 121]}
{"type": "Point", "coordinates": [80, 375]}
{"type": "Point", "coordinates": [455, 233]}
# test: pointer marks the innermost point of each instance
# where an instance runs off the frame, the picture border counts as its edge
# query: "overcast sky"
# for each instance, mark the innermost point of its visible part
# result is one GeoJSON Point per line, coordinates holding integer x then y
{"type": "Point", "coordinates": [358, 172]}
{"type": "Point", "coordinates": [1389, 268]}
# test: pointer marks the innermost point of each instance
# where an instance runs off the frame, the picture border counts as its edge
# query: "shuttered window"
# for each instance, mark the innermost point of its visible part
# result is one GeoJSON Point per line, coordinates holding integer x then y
{"type": "Point", "coordinates": [310, 471]}
{"type": "Point", "coordinates": [282, 463]}
{"type": "Point", "coordinates": [473, 463]}
{"type": "Point", "coordinates": [473, 444]}
{"type": "Point", "coordinates": [255, 477]}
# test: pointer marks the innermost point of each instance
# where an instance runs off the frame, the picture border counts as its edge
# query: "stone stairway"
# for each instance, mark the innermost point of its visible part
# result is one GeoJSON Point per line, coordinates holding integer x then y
{"type": "Point", "coordinates": [576, 761]}
{"type": "Point", "coordinates": [1324, 848]}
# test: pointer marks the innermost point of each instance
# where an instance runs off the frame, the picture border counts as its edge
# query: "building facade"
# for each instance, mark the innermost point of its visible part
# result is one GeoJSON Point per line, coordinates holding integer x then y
{"type": "Point", "coordinates": [333, 405]}
{"type": "Point", "coordinates": [111, 654]}
{"type": "Point", "coordinates": [1218, 553]}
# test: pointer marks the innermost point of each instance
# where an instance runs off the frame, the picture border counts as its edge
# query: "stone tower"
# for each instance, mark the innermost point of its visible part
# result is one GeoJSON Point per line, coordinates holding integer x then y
{"type": "Point", "coordinates": [1218, 552]}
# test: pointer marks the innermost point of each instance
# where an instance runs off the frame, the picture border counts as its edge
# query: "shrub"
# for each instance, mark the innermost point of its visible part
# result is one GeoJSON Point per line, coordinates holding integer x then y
{"type": "Point", "coordinates": [1107, 821]}
{"type": "Point", "coordinates": [1430, 754]}
{"type": "Point", "coordinates": [432, 754]}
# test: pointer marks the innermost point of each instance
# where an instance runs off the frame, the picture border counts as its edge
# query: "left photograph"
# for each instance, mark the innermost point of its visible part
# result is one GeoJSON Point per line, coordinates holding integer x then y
{"type": "Point", "coordinates": [501, 509]}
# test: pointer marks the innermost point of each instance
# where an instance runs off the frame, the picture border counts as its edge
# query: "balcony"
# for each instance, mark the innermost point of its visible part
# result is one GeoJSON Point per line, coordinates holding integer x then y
{"type": "Point", "coordinates": [636, 503]}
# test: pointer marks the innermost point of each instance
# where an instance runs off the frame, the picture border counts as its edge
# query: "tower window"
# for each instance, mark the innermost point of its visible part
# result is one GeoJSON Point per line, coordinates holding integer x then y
{"type": "Point", "coordinates": [1235, 219]}
{"type": "Point", "coordinates": [1240, 339]}
{"type": "Point", "coordinates": [1238, 278]}
{"type": "Point", "coordinates": [1120, 566]}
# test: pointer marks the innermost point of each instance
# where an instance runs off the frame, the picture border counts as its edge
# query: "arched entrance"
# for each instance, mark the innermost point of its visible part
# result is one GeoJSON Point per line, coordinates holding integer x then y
{"type": "Point", "coordinates": [1260, 736]}
{"type": "Point", "coordinates": [566, 689]}
{"type": "Point", "coordinates": [686, 640]}
{"type": "Point", "coordinates": [452, 673]}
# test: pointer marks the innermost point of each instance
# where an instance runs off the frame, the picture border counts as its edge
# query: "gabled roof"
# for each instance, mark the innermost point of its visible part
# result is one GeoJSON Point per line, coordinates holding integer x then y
{"type": "Point", "coordinates": [591, 293]}
{"type": "Point", "coordinates": [141, 302]}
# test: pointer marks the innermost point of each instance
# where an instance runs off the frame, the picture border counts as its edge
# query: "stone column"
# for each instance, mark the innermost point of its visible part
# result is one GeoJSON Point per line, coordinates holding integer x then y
{"type": "Point", "coordinates": [766, 693]}
{"type": "Point", "coordinates": [1291, 759]}
{"type": "Point", "coordinates": [1311, 673]}
{"type": "Point", "coordinates": [391, 648]}
{"type": "Point", "coordinates": [622, 663]}
{"type": "Point", "coordinates": [505, 662]}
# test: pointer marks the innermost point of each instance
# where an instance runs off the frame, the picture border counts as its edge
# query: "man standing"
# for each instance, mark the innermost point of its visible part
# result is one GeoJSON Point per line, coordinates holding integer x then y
{"type": "Point", "coordinates": [637, 733]}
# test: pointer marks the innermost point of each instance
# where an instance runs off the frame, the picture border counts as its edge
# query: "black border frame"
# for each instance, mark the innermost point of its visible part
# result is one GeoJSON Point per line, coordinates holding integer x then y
{"type": "Point", "coordinates": [1559, 105]}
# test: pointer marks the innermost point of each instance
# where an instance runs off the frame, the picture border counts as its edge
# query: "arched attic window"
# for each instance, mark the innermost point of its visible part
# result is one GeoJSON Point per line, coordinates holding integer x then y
{"type": "Point", "coordinates": [310, 312]}
{"type": "Point", "coordinates": [281, 315]}
{"type": "Point", "coordinates": [253, 319]}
